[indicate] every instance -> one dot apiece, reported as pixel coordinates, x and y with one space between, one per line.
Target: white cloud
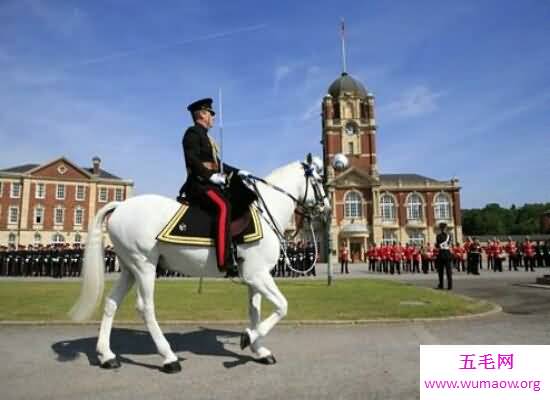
281 72
415 101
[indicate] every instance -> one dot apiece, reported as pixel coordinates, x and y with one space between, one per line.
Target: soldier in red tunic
529 254
511 249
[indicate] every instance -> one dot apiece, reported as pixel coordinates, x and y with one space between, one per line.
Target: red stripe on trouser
222 222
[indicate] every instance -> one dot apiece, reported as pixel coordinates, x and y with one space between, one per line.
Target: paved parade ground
372 361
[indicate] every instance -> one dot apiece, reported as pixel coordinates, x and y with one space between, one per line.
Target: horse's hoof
268 360
113 363
245 340
172 368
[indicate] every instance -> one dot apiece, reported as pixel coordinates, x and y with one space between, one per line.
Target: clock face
351 128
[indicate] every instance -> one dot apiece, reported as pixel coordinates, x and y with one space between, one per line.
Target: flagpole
221 128
343 34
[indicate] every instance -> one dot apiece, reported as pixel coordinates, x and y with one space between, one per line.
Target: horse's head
314 201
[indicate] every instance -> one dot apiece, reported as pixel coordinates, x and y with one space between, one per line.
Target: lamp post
339 163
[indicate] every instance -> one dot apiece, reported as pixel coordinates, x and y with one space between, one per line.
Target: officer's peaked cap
202 104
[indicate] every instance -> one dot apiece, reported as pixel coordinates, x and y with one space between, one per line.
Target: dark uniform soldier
443 245
3 256
206 177
310 259
292 257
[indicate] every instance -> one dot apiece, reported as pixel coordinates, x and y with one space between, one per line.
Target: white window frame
13 194
417 237
77 198
57 236
35 237
37 192
389 239
11 221
78 238
55 221
442 209
353 207
119 194
415 209
36 209
59 186
99 192
75 220
385 209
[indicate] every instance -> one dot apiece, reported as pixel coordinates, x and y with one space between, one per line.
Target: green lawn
223 300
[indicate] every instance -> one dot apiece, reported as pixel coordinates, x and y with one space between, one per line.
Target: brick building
52 202
369 206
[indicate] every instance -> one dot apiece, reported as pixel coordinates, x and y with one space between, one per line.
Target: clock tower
349 125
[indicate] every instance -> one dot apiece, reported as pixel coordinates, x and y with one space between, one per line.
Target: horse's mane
281 172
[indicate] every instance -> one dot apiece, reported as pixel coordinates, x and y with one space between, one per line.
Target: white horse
133 227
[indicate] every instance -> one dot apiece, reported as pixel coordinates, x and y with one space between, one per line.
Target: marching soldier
547 253
3 257
300 262
291 253
529 254
539 254
511 249
310 259
416 259
344 260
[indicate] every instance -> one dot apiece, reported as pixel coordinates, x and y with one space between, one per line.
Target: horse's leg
146 281
266 286
106 357
254 313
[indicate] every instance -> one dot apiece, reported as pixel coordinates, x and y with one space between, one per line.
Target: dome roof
347 84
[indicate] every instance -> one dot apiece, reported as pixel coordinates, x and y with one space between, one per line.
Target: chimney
96 163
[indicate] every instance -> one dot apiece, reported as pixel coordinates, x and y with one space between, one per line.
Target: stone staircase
545 280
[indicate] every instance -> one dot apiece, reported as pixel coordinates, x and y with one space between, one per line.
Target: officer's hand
243 173
218 179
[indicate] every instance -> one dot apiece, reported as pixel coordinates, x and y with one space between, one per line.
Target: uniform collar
201 129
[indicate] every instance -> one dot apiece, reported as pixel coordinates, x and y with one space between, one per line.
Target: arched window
442 207
353 207
387 208
37 238
414 207
58 238
77 238
12 238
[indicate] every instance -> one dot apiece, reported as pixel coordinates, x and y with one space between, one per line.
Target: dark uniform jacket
201 161
443 244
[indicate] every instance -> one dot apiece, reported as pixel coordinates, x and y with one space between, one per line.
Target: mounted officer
207 177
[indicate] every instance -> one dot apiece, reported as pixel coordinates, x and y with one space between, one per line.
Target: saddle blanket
194 226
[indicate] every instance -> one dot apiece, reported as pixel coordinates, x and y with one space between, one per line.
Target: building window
350 148
58 238
40 191
387 208
102 195
414 207
80 192
442 207
37 238
77 238
39 215
15 190
12 238
13 215
1 189
78 216
416 237
389 236
118 194
59 216
352 205
60 193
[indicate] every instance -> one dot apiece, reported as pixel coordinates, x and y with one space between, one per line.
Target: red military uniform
511 249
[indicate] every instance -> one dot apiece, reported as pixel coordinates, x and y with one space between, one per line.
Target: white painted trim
10 222
99 189
57 186
12 185
76 192
36 185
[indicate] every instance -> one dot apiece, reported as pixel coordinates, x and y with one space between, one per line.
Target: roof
20 169
23 169
411 179
346 84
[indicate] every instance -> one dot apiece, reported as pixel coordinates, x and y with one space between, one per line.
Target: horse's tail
93 268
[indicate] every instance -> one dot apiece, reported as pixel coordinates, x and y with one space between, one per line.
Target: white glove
243 173
218 179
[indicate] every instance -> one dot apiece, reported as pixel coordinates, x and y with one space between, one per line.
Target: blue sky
462 88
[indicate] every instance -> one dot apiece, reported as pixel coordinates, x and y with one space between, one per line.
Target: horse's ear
309 158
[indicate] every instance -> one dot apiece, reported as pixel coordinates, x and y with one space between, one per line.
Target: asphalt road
375 361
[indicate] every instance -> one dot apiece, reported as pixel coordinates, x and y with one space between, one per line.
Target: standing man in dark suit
443 261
